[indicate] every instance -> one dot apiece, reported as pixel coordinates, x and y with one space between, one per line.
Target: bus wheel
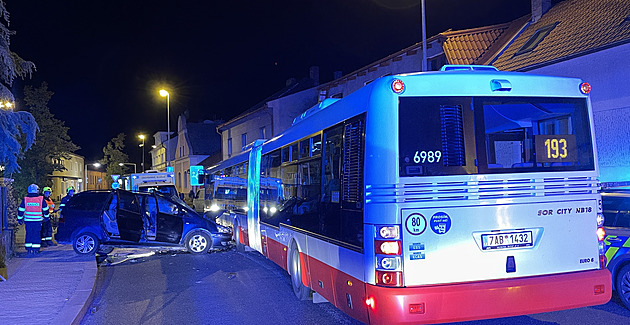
623 285
301 291
237 238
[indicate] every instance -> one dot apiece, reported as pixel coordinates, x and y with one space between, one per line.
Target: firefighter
32 211
64 200
47 232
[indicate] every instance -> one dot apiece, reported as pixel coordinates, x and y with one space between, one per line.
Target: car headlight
214 208
223 229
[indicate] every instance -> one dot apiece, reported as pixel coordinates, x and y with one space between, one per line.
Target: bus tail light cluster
388 251
601 235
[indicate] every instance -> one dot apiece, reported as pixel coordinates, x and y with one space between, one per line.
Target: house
587 39
194 143
73 175
271 115
159 160
96 179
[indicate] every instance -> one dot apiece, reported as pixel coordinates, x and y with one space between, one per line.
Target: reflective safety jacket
63 202
33 208
51 205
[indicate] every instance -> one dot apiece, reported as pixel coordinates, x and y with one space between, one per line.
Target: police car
616 205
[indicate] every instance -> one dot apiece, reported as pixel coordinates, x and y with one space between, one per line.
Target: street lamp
134 166
424 39
165 93
141 136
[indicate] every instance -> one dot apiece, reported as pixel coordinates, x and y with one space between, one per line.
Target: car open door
129 217
170 224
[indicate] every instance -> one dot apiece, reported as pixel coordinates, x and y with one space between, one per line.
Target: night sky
106 60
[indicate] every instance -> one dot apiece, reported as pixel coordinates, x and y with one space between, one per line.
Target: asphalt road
245 288
219 288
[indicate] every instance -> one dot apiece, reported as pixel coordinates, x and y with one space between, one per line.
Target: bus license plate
506 240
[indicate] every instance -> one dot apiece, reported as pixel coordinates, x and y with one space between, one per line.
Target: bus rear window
471 135
533 134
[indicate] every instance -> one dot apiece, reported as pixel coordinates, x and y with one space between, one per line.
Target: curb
75 309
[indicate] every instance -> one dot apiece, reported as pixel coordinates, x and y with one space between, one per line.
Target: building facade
97 180
158 150
270 116
73 175
195 143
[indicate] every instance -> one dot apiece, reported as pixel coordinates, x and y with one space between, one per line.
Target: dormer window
535 39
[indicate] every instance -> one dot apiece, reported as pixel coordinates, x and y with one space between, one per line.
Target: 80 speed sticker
416 224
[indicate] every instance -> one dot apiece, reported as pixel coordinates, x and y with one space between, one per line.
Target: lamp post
134 166
165 93
424 39
141 136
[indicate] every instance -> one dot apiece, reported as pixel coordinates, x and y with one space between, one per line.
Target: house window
263 133
436 63
179 179
533 41
243 140
229 147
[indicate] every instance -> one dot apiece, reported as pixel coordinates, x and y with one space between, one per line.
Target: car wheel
623 285
85 244
301 291
237 238
198 242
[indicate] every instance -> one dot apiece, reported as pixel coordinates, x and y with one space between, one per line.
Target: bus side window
330 214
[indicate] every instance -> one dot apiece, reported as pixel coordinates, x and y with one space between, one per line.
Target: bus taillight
390 247
392 279
388 259
585 88
601 234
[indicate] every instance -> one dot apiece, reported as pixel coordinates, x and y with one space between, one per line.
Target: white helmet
33 189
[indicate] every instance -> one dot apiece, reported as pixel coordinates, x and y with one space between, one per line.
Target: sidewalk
53 287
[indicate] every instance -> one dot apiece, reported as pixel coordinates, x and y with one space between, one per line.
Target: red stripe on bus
277 253
344 291
338 288
489 299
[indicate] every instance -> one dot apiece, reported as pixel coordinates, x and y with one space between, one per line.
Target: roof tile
583 26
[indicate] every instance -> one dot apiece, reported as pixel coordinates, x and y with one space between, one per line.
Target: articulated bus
454 195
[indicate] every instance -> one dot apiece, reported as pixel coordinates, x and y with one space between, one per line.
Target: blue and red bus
462 194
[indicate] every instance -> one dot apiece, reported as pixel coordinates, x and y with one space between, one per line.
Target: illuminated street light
141 136
134 166
6 105
166 94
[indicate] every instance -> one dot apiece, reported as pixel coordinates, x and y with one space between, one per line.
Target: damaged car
123 218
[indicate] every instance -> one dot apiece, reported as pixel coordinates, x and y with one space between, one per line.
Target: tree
13 125
53 142
113 155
